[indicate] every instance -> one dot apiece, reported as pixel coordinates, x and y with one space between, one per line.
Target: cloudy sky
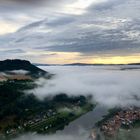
69 31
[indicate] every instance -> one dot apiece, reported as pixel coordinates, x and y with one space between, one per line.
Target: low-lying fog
109 86
53 137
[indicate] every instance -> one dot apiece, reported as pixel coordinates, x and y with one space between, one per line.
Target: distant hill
38 64
134 64
72 64
84 64
11 65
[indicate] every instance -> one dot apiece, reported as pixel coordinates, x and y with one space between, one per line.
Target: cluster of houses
13 76
32 121
40 118
124 118
12 131
2 78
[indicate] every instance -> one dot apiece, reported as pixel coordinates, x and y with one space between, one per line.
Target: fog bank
109 86
51 137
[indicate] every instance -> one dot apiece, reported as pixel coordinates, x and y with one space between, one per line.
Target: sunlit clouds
117 59
68 31
6 27
79 7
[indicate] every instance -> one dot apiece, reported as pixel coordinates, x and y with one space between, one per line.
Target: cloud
106 5
12 51
6 28
20 72
104 29
36 2
108 85
61 21
93 36
106 33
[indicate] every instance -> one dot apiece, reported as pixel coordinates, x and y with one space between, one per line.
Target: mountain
38 64
82 64
134 64
11 65
72 64
86 64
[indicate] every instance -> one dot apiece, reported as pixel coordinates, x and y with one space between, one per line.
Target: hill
11 65
86 64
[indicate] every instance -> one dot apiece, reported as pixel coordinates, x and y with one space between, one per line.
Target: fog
109 86
20 71
52 137
81 134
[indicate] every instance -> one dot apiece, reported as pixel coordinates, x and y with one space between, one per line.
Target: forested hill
10 65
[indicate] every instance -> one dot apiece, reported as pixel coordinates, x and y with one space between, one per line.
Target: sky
70 31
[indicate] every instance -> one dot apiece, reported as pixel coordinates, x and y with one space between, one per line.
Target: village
124 118
42 122
32 121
